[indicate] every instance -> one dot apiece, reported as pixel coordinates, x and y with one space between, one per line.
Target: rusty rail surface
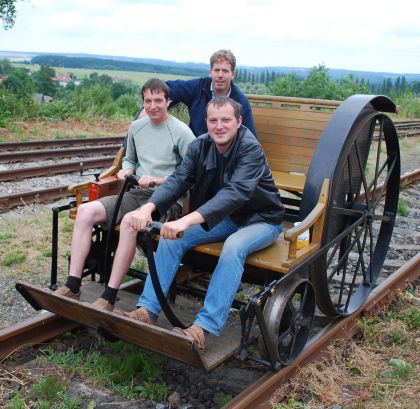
259 393
37 196
20 156
13 146
55 169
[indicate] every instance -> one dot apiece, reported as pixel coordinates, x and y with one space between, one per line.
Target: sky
365 35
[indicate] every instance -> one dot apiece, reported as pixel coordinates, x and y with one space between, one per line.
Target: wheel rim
360 216
289 315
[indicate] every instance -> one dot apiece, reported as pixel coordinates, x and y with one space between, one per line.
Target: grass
124 368
135 76
376 370
402 207
12 258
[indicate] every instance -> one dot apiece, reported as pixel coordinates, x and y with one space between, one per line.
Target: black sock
110 294
74 284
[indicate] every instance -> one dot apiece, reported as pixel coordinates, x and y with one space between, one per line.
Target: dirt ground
40 130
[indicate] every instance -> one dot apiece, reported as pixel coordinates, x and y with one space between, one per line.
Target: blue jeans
226 278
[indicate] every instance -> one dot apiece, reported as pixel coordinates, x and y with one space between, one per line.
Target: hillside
93 61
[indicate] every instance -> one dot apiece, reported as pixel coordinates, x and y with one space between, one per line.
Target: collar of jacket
207 90
210 160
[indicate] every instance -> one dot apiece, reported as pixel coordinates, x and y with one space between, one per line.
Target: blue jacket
196 94
248 193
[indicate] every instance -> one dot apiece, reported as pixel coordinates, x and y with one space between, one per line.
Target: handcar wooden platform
158 338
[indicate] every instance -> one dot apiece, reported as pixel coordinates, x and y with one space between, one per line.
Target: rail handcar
337 165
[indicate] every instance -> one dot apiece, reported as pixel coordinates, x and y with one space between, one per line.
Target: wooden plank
296 160
279 134
289 150
275 100
157 338
289 181
293 114
280 121
287 166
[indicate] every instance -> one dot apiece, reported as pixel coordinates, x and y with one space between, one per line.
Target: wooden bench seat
283 255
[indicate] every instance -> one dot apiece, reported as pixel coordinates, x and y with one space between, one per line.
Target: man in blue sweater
198 92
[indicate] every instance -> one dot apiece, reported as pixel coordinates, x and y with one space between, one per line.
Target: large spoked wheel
289 315
360 216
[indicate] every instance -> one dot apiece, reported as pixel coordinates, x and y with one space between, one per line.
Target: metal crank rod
150 231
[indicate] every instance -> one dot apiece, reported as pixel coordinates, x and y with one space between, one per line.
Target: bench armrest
79 189
314 219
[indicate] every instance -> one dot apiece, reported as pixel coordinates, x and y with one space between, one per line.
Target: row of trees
99 96
261 80
318 84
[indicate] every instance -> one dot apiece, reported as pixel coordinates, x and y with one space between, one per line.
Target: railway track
36 155
59 143
54 169
257 395
48 326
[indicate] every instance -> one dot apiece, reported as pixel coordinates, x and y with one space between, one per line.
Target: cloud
357 35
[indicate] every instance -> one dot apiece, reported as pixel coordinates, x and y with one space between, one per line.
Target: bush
58 110
129 105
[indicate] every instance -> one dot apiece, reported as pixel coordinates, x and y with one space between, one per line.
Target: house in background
64 79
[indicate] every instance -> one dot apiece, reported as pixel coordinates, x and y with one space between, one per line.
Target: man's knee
91 213
126 226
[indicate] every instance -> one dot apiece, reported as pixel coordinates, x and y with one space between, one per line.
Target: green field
135 76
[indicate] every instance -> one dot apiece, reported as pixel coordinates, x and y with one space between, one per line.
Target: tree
318 84
7 13
20 83
44 83
286 85
5 67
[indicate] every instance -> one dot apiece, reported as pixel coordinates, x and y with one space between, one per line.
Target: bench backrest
289 129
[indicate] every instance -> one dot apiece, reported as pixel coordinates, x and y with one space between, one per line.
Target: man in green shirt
156 146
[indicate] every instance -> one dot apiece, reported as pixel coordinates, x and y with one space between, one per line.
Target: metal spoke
362 173
343 258
303 298
291 306
292 347
360 248
359 262
385 183
340 211
379 173
285 334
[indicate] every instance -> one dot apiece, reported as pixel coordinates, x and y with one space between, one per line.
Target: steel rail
58 153
55 169
37 196
259 393
4 146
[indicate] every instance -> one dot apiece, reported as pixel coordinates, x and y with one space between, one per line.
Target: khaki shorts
132 200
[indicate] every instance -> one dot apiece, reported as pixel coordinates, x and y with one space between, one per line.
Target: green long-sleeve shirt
156 150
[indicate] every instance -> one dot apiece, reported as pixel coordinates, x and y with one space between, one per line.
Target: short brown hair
155 85
219 102
223 55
